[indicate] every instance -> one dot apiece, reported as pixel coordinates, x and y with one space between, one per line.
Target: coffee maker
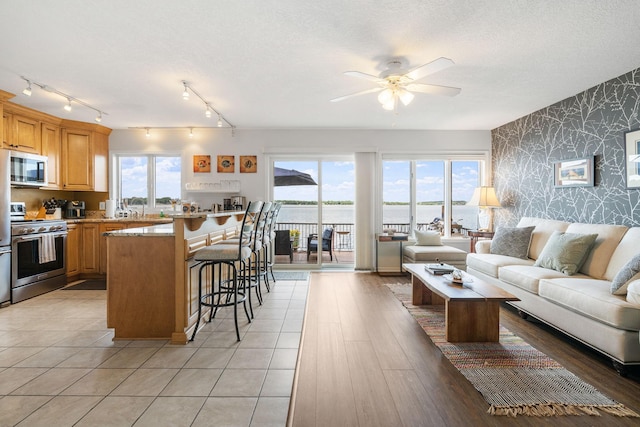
238 202
74 209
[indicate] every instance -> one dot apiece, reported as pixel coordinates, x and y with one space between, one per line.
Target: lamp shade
484 197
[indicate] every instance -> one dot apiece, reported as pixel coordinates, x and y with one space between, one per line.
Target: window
148 180
420 193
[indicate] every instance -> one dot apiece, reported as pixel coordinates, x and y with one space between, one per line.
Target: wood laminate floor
365 361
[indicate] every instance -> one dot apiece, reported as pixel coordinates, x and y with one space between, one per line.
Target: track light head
207 113
148 134
67 107
185 94
27 90
219 121
190 132
99 117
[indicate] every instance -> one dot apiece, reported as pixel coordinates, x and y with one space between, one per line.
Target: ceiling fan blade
429 68
362 92
433 89
365 76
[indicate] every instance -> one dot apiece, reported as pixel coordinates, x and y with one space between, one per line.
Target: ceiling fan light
390 105
385 96
405 96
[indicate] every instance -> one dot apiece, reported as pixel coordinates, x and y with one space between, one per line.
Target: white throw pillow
427 238
633 292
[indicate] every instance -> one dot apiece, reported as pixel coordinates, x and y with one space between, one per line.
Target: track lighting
209 110
148 134
27 90
190 132
69 98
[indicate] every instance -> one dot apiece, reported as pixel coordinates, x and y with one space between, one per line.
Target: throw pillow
427 238
565 252
512 241
633 292
626 275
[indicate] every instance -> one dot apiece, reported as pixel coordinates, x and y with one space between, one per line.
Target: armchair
327 243
283 244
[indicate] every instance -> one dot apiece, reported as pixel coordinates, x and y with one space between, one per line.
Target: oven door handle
37 236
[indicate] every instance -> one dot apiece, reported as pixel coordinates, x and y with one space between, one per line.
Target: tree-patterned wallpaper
591 123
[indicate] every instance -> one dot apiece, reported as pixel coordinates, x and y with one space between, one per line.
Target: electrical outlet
103 206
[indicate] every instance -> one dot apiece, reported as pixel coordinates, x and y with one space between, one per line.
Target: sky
134 176
338 181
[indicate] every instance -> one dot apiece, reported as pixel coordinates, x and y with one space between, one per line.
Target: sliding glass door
315 226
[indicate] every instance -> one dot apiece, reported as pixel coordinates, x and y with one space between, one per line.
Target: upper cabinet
21 133
51 147
85 151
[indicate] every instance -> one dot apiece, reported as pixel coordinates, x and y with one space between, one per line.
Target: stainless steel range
38 263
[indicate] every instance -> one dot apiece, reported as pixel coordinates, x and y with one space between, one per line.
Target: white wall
262 143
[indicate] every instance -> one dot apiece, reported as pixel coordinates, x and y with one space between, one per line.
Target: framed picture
632 158
201 163
248 164
574 173
226 164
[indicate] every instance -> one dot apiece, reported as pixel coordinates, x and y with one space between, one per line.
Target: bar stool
269 236
230 291
254 261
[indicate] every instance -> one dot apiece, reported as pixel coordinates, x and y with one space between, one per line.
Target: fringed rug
513 377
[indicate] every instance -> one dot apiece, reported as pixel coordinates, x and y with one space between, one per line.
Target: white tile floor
59 366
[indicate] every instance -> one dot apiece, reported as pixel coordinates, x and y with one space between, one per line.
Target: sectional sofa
583 304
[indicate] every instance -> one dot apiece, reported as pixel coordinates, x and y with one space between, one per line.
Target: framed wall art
248 164
632 158
201 163
574 173
226 164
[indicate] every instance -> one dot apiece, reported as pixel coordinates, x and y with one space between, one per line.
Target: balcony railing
344 233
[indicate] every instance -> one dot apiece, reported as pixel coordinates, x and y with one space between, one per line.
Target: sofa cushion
527 277
490 263
633 293
628 273
544 229
592 298
512 241
427 238
565 252
446 254
609 236
626 249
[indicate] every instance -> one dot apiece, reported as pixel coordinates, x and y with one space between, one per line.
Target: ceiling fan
397 84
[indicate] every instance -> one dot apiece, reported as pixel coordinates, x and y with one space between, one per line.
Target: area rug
512 376
291 275
88 285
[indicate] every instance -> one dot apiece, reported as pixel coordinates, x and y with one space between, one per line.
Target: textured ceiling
277 63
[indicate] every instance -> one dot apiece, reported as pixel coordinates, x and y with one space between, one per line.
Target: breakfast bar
152 286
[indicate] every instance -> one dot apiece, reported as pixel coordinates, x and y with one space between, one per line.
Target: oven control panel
37 227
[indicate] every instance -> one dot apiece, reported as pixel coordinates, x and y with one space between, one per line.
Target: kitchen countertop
152 230
154 220
167 229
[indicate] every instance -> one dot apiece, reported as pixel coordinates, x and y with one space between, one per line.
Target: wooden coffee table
472 311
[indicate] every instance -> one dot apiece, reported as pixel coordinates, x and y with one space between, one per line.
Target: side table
476 235
389 253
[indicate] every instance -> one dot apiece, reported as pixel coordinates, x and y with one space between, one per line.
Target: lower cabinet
105 228
73 250
90 255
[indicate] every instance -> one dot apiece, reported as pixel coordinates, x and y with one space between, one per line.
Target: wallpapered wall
591 123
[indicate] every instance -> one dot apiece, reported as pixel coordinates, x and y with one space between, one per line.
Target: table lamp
486 200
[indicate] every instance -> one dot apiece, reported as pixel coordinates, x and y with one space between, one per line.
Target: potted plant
295 238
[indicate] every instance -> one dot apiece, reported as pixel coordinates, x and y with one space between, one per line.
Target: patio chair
327 242
283 244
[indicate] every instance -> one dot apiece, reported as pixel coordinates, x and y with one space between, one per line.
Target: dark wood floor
365 362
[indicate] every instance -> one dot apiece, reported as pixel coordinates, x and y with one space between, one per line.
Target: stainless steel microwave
28 170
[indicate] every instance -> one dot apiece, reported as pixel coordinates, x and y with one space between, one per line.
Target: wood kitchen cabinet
51 147
73 250
85 151
90 253
21 133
